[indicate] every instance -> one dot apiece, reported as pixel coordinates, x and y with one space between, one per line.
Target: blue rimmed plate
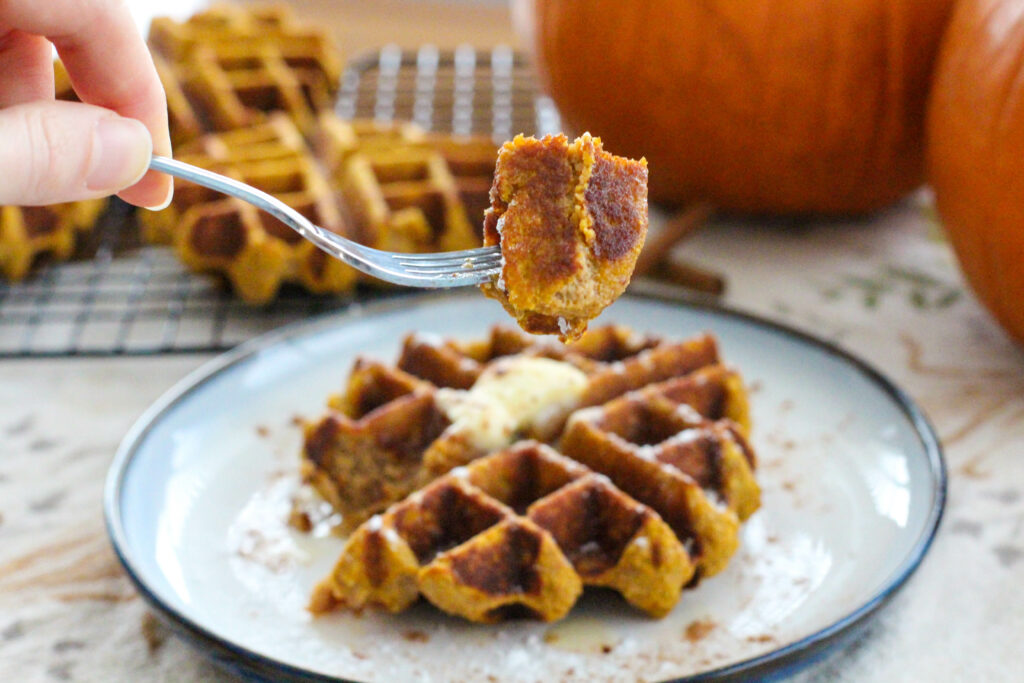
198 496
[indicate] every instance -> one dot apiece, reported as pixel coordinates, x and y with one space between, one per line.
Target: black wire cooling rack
120 297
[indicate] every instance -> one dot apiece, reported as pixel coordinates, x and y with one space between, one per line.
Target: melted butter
513 395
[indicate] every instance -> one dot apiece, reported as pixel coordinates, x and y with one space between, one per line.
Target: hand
54 151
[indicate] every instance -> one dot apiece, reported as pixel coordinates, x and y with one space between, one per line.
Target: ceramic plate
197 497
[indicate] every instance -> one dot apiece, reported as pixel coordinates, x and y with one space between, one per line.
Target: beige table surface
885 288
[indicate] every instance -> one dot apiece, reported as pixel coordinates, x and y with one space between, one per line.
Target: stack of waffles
262 86
30 234
630 470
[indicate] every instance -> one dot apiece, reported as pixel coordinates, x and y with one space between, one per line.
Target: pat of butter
513 395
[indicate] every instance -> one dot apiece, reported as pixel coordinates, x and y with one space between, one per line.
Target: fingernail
121 149
167 200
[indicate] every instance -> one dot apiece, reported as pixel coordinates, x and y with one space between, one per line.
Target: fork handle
229 186
258 198
381 264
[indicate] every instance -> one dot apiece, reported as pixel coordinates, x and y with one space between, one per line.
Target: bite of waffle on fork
638 483
570 220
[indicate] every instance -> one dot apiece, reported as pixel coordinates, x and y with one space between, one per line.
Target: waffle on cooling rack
654 476
263 85
387 169
255 252
235 65
471 162
250 95
29 234
469 159
382 185
182 117
405 200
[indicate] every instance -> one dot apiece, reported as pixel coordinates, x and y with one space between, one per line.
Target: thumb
54 151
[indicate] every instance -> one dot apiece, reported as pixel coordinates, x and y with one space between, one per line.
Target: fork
441 269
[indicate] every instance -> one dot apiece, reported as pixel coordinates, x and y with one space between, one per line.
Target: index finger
109 66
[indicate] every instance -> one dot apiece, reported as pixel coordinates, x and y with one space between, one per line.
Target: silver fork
441 269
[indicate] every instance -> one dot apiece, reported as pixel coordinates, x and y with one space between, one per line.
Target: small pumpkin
975 138
764 106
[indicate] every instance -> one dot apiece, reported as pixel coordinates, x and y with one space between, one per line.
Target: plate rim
792 656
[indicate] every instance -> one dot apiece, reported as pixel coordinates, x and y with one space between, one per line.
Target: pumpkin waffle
230 153
238 65
390 432
338 139
670 443
407 191
182 118
570 219
254 251
29 234
471 161
405 200
175 40
395 428
388 189
615 358
517 533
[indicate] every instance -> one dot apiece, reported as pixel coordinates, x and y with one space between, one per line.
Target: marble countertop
886 289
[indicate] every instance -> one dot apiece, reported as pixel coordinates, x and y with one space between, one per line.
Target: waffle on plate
497 477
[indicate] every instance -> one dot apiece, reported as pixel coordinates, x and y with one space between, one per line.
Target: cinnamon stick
676 229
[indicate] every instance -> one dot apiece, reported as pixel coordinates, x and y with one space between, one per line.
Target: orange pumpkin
976 151
764 106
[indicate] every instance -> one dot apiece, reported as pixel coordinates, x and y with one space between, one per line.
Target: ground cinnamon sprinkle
698 630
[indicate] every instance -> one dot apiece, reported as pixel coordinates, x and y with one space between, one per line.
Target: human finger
57 151
26 67
109 66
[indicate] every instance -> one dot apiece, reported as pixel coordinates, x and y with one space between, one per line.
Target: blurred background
360 26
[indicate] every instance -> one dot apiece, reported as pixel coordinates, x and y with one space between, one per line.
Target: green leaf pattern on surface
919 289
